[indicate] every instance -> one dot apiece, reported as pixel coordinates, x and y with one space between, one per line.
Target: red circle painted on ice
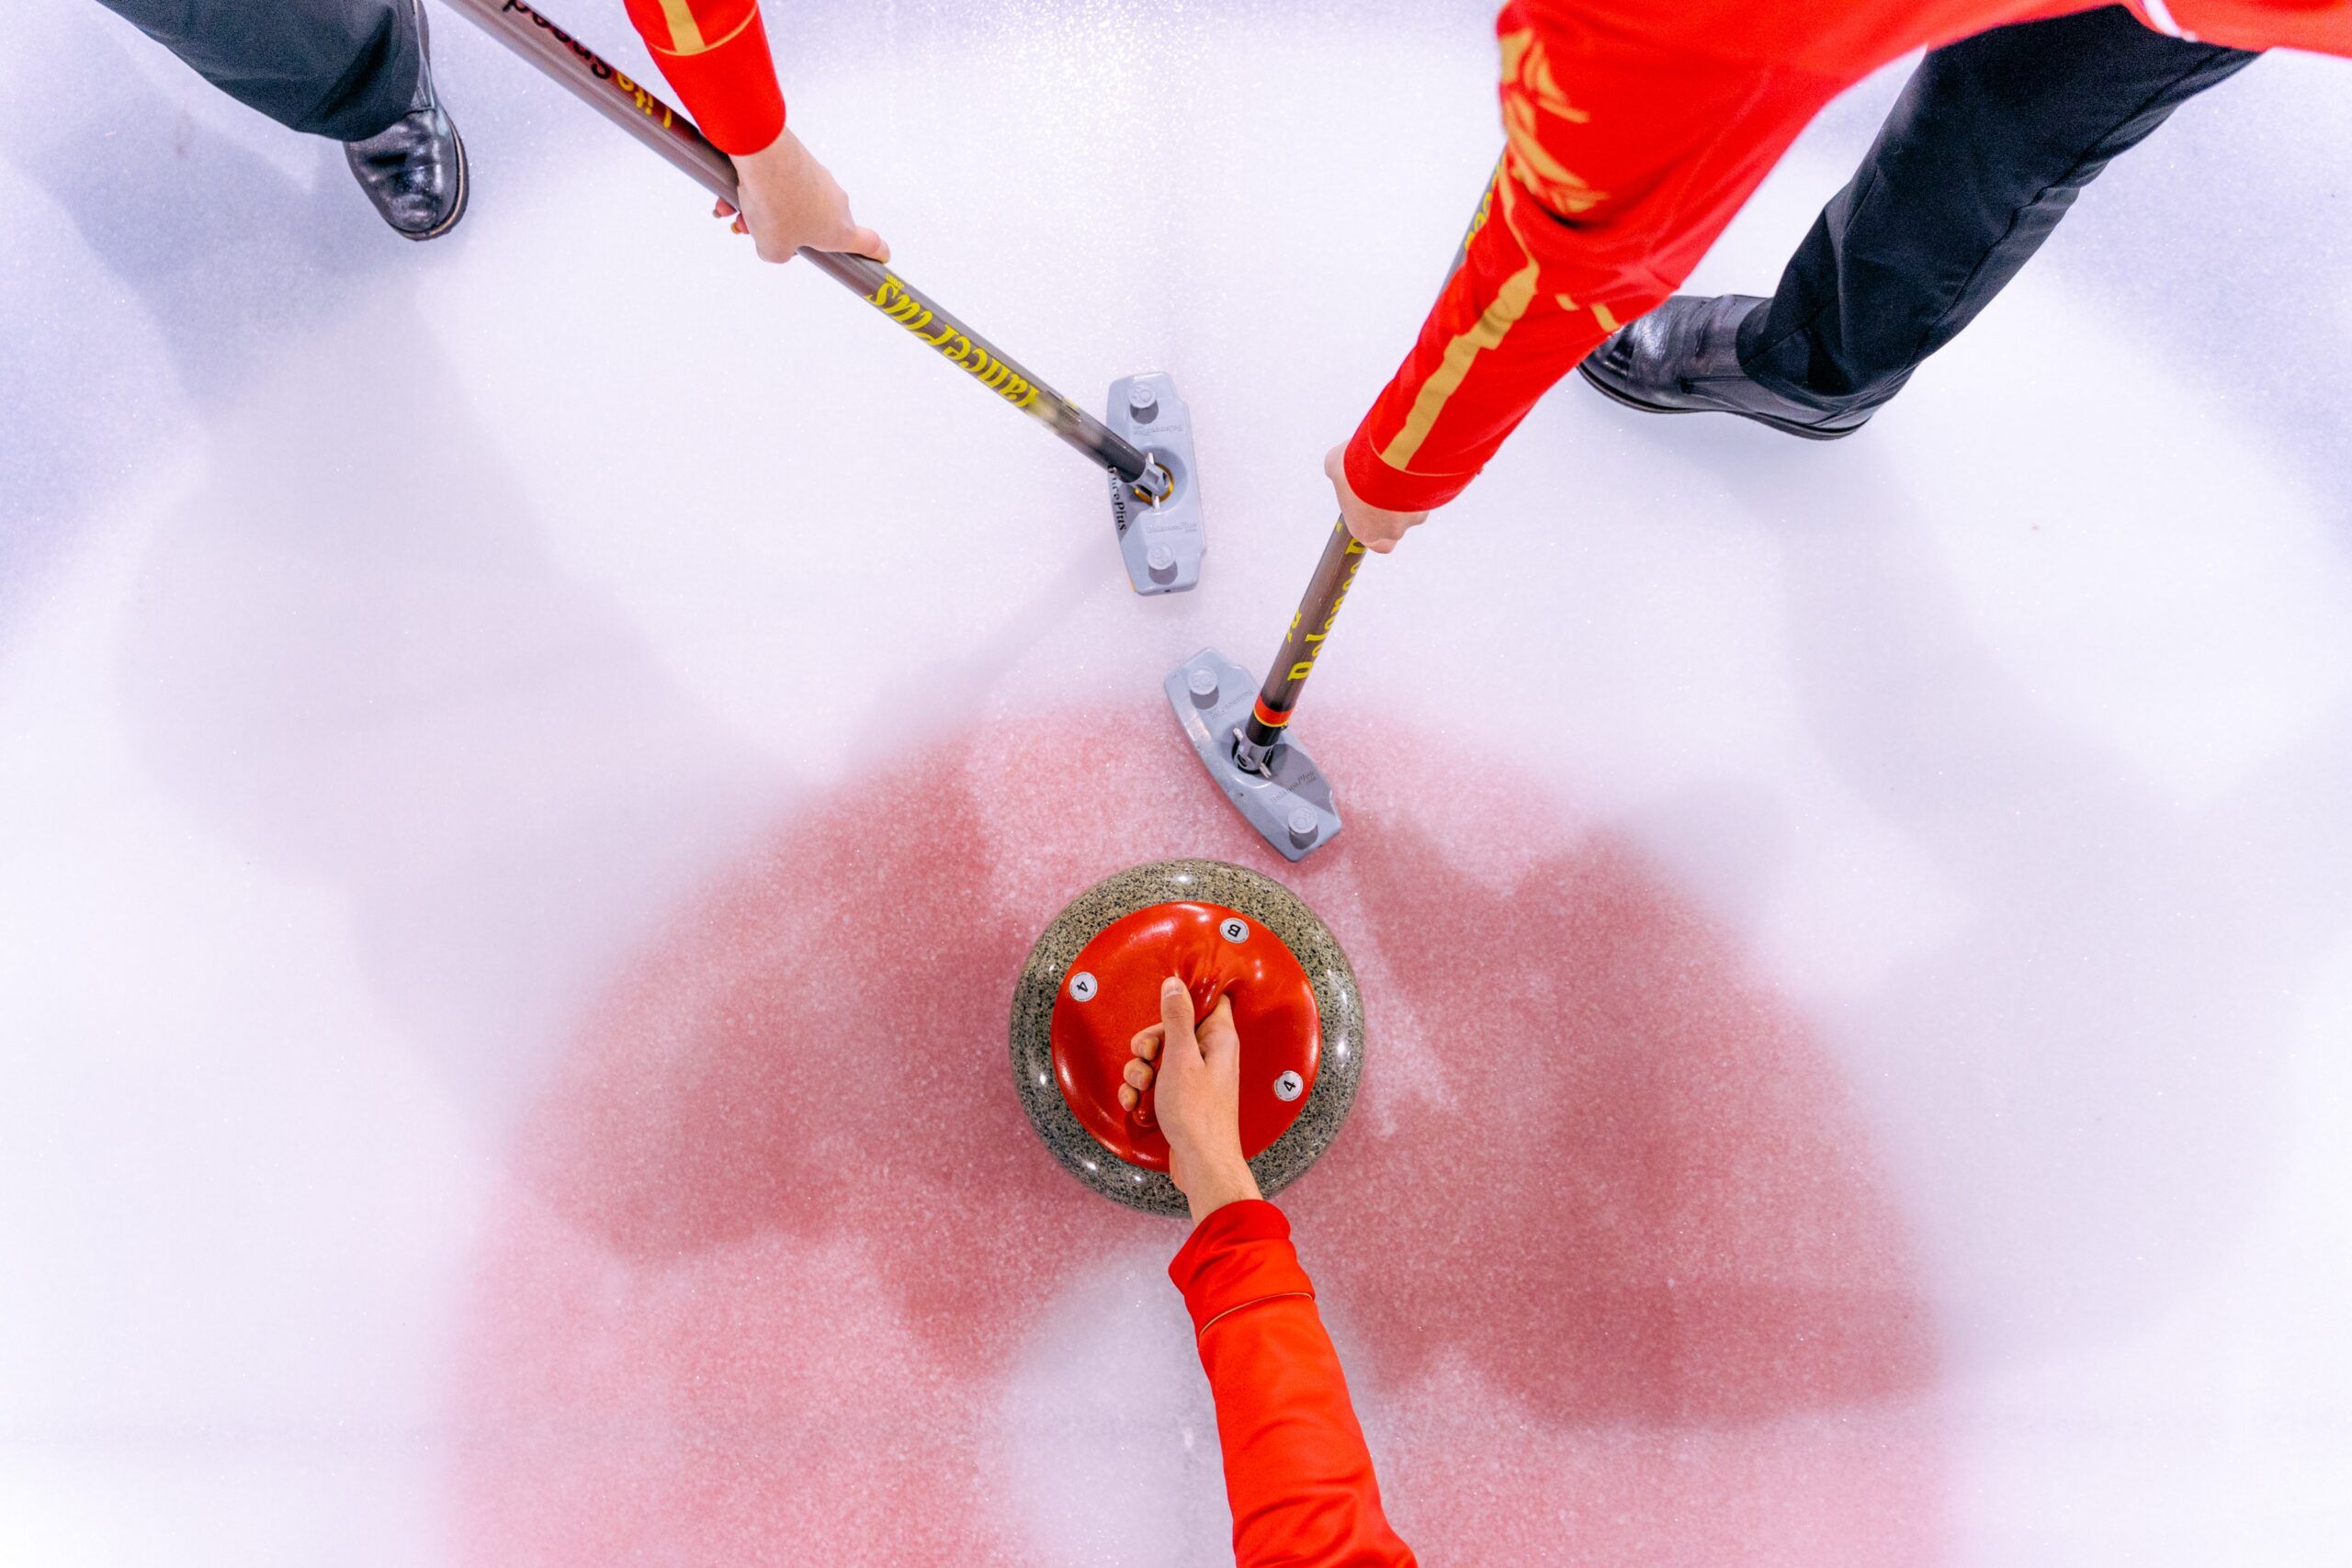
1619 1273
1217 952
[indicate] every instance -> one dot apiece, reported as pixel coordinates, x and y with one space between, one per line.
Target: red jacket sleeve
1632 135
1296 1471
2324 27
1633 131
715 52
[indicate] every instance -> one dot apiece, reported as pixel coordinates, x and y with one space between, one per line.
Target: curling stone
1093 979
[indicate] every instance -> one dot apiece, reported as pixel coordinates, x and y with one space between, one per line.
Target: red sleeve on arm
1630 142
715 52
1296 1471
2324 27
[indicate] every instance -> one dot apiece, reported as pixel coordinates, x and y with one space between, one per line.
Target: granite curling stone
1092 980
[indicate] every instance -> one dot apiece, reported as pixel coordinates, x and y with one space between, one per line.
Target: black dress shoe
414 169
1683 357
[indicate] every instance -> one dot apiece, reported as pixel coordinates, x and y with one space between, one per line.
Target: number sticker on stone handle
1289 1087
1082 986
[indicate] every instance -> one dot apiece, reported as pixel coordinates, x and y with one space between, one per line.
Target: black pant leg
1983 153
345 69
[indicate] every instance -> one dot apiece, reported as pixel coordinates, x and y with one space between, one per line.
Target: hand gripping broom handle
603 87
1310 624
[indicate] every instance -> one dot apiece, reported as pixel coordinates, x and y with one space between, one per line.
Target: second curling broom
1144 441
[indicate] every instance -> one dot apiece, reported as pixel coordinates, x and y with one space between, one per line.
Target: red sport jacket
1634 129
1297 1471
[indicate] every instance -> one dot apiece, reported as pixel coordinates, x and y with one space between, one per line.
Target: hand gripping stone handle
603 87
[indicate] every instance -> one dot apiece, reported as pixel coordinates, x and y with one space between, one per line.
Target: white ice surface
2010 740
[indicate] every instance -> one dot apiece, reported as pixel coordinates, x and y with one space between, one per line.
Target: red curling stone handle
1112 993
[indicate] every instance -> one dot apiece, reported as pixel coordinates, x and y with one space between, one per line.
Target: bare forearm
1216 1183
